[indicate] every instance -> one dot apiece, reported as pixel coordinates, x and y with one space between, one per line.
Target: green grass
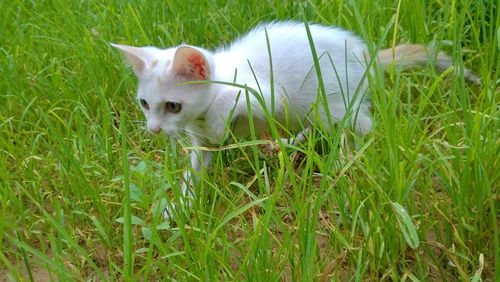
83 184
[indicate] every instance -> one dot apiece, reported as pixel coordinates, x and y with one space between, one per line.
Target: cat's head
169 91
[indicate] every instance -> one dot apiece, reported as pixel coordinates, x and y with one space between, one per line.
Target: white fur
206 107
209 109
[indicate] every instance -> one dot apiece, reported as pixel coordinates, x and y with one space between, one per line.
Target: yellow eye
144 104
173 107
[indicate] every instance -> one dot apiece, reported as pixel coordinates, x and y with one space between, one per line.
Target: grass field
83 184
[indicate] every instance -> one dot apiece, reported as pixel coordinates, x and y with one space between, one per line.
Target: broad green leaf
406 225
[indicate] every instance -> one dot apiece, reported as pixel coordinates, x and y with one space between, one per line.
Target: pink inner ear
190 64
197 66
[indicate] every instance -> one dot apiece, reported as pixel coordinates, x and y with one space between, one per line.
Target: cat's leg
362 126
363 123
359 118
216 120
298 139
199 159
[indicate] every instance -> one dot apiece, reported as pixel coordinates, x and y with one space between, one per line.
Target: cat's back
291 38
289 47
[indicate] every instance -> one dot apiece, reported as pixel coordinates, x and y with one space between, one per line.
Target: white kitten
204 110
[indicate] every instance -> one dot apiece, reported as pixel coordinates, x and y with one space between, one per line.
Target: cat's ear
190 63
138 57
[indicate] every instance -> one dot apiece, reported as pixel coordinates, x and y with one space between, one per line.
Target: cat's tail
414 55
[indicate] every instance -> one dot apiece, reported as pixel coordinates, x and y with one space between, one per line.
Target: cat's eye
144 104
173 107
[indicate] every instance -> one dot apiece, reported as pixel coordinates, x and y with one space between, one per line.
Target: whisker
181 139
194 133
137 121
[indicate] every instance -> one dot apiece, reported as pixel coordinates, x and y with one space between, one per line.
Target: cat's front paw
168 212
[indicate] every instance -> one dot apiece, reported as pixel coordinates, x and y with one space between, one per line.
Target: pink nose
154 130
